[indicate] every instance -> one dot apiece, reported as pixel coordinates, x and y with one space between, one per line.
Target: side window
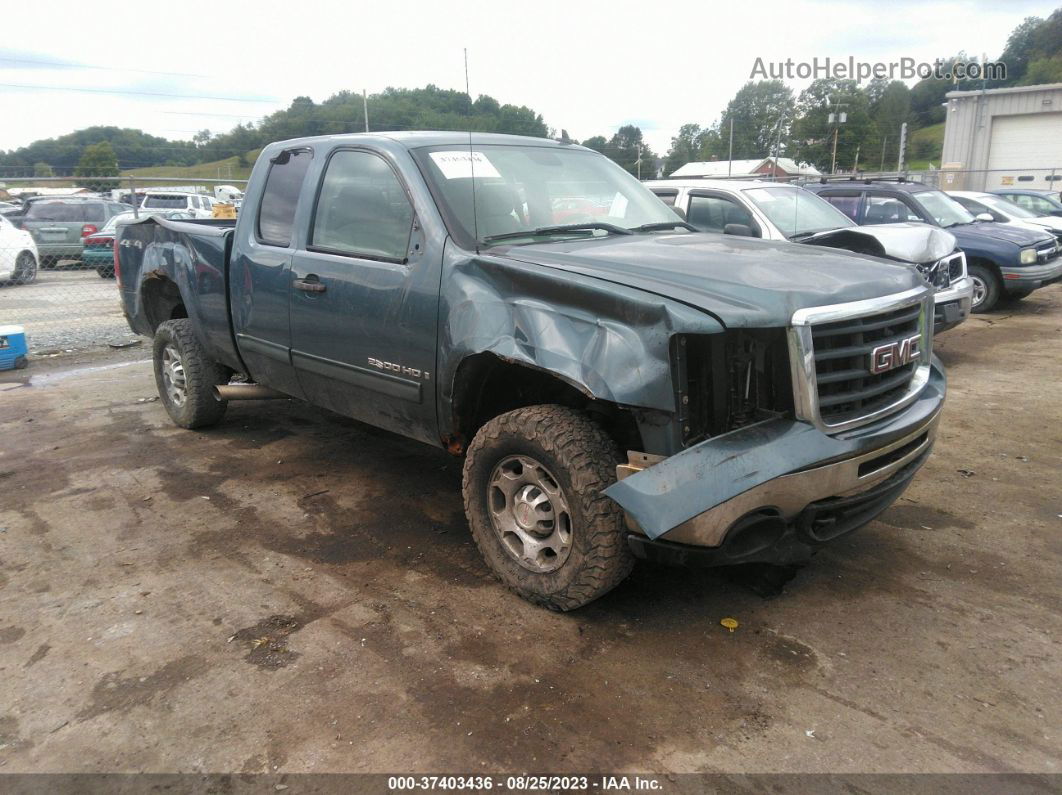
668 197
362 208
713 213
194 201
1035 204
888 210
276 214
847 203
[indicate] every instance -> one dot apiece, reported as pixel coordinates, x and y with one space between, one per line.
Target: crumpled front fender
709 474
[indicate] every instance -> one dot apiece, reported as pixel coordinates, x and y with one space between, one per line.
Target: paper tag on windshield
618 208
462 165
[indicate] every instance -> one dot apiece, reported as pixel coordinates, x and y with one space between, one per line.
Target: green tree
42 169
762 112
815 132
598 143
889 112
685 147
1020 45
97 160
626 148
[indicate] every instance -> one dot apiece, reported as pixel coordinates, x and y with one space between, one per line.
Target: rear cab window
162 201
280 197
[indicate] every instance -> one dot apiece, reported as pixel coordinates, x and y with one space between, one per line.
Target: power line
90 66
139 93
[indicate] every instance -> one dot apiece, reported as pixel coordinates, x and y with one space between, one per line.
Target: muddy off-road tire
186 376
533 482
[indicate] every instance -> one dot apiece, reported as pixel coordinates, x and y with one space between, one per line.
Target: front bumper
773 491
1032 276
951 306
60 250
97 257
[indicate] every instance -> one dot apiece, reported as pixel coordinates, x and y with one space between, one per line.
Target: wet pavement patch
267 642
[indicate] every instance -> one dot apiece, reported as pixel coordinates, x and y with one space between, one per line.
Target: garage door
1024 149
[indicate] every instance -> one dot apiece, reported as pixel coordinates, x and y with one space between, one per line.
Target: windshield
525 188
1005 207
797 212
944 209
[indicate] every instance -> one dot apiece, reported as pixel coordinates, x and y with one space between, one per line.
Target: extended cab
619 384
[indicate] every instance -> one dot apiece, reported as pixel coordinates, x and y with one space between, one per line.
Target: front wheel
25 268
986 289
533 483
186 376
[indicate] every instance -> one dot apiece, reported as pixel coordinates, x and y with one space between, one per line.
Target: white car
198 204
989 207
777 211
18 254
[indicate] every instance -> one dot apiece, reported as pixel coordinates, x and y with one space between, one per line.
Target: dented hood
907 242
743 282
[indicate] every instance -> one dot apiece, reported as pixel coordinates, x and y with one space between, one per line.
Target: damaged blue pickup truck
620 385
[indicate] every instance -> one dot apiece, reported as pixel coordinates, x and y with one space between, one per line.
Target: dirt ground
292 591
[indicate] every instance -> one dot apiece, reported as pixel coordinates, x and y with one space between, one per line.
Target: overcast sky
586 67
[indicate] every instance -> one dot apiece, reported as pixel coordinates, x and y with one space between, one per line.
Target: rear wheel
25 268
986 288
533 483
186 376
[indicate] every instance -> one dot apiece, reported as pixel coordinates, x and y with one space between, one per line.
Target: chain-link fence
57 248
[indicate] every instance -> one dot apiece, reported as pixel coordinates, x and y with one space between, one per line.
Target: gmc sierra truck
620 385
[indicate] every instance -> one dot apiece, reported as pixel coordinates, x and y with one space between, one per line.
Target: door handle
309 285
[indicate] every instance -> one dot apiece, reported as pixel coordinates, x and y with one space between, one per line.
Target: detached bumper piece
768 538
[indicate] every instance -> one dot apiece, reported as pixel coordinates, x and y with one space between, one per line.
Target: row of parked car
44 230
975 248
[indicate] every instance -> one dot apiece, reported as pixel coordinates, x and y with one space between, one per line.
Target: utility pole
855 167
778 146
365 106
836 118
903 147
730 161
884 141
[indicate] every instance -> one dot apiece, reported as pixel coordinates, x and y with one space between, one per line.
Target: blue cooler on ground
13 348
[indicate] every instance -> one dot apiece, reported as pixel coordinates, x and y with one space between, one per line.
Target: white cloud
586 67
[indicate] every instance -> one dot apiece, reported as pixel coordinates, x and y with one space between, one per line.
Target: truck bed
194 256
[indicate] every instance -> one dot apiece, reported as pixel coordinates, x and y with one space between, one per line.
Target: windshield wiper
589 226
664 225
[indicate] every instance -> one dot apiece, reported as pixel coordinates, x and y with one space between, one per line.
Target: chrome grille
832 349
1046 252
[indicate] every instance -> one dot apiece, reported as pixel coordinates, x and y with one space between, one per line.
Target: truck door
260 277
364 299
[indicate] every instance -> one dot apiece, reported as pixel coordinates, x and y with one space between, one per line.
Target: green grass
229 168
925 146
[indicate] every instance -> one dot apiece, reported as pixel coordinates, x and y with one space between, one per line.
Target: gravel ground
66 310
292 591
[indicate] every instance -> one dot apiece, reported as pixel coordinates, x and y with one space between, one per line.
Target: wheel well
985 263
161 301
487 385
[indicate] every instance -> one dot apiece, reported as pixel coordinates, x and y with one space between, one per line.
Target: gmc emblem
896 354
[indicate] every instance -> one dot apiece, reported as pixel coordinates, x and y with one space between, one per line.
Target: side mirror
679 212
742 230
984 217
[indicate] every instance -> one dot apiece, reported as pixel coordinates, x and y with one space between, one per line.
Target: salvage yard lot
293 591
66 309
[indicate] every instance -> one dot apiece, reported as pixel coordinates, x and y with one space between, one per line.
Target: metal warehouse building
1003 137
